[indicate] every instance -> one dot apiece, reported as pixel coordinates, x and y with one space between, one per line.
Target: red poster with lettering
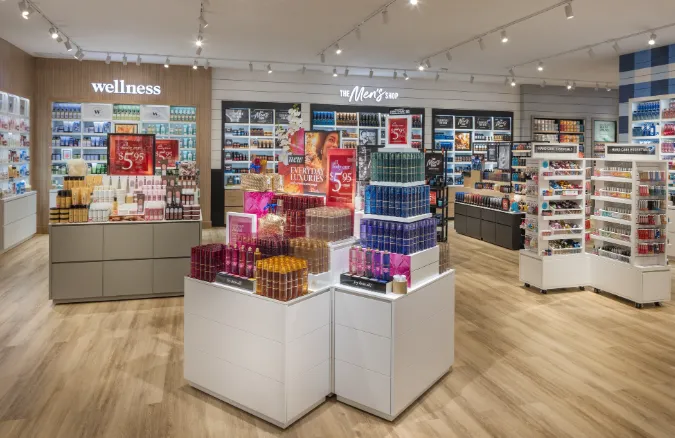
398 131
341 178
131 154
166 150
432 198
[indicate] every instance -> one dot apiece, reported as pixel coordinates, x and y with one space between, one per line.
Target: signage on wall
236 115
491 153
552 149
166 150
433 163
604 131
97 111
443 122
484 123
463 122
282 117
646 149
502 123
155 113
398 130
131 154
262 116
341 178
362 94
119 87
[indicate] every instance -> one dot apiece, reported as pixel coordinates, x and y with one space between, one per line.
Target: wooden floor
568 364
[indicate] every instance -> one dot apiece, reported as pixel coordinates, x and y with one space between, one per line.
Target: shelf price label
166 150
131 154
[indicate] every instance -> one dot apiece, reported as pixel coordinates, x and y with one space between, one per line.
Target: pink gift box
255 202
400 265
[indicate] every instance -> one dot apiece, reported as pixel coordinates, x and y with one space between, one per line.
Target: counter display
18 219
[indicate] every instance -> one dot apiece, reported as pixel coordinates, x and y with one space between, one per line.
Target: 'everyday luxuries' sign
119 87
361 94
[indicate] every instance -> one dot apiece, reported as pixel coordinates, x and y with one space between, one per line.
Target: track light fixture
471 79
652 39
438 76
427 63
608 87
304 69
79 55
250 66
59 38
199 51
323 58
513 82
26 9
481 44
616 47
413 2
405 75
569 86
357 32
506 80
346 72
207 65
420 67
167 62
202 21
124 59
200 41
448 56
395 74
107 59
370 74
574 85
69 47
505 38
138 60
511 72
591 53
338 50
569 14
54 33
335 72
269 69
385 17
540 66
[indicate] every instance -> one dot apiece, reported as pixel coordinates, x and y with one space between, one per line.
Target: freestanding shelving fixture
630 225
554 256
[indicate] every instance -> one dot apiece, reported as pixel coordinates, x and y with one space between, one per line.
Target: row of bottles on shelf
330 118
57 156
92 169
183 114
164 129
551 125
647 111
14 156
96 142
127 112
669 112
66 111
13 123
14 141
481 136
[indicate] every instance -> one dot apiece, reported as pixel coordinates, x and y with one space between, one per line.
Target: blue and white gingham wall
643 74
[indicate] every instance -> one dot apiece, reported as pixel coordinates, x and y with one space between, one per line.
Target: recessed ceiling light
505 38
652 39
540 66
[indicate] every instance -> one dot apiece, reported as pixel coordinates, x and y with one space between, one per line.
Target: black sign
282 117
227 168
368 136
463 122
365 283
491 153
503 123
262 116
632 150
433 164
443 122
484 123
236 115
364 155
238 282
399 112
551 149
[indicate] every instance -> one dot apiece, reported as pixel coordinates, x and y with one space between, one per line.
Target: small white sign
363 94
154 113
97 111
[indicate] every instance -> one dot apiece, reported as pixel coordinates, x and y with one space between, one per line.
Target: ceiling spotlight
346 72
199 51
652 39
335 72
304 69
574 85
607 87
138 60
513 82
506 80
107 59
568 11
357 31
471 79
26 9
200 41
385 17
124 59
511 72
543 84
194 65
427 63
448 56
616 47
395 74
540 66
202 21
569 86
69 47
413 2
420 67
59 39
370 75
597 86
207 65
338 50
591 53
250 66
405 76
323 57
79 54
481 44
53 33
438 76
167 62
269 69
505 38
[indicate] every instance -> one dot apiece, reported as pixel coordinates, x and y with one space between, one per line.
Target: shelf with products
15 160
651 120
559 130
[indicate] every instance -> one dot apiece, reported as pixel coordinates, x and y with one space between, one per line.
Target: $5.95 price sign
131 154
166 150
342 177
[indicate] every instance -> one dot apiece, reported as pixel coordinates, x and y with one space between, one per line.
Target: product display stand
554 256
269 358
629 230
18 216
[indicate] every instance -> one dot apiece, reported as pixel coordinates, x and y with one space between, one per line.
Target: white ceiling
295 31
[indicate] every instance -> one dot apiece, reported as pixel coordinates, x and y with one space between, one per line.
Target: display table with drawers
501 228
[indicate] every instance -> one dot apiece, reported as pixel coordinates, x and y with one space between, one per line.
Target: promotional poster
239 223
341 178
131 154
166 150
307 172
398 130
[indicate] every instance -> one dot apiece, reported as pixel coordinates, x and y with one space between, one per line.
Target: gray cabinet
493 226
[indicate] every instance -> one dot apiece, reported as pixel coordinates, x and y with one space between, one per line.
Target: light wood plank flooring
568 364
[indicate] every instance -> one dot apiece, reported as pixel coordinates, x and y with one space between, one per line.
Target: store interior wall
643 74
17 71
558 102
61 80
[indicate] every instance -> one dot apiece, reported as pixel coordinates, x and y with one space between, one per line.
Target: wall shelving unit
15 141
559 130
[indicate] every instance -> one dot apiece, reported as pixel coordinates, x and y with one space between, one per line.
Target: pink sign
239 223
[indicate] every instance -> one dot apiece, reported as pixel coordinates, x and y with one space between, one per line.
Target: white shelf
562 217
612 219
611 199
646 121
612 179
19 163
563 178
611 240
564 237
397 184
563 198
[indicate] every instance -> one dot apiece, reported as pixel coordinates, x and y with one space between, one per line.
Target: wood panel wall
62 80
17 71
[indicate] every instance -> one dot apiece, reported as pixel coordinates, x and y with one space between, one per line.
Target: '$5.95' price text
129 158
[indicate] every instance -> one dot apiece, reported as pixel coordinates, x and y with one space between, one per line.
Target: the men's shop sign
362 94
463 122
631 150
433 163
550 149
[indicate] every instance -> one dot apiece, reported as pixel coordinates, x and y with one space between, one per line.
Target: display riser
339 258
18 220
390 349
267 357
319 281
554 272
639 285
423 266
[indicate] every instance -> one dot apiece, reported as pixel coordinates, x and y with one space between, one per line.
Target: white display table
267 357
18 219
389 348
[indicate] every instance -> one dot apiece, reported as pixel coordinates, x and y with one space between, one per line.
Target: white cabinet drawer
362 313
363 349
